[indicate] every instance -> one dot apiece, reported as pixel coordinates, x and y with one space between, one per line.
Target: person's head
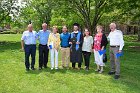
86 32
64 29
99 29
44 26
75 26
112 26
55 29
30 27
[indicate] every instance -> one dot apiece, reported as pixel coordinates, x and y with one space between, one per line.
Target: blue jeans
30 50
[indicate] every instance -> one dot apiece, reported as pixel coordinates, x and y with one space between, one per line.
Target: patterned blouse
97 42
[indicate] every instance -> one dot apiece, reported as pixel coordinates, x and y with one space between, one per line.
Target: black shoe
27 69
111 73
45 66
40 68
33 68
116 76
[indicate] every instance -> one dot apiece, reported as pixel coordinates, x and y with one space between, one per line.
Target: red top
97 42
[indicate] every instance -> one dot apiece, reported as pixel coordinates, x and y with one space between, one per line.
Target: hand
70 42
22 49
120 51
77 42
92 50
102 49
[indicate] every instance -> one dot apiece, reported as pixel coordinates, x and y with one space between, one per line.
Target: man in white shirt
116 45
28 44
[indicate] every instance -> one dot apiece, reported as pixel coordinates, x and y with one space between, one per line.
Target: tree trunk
139 31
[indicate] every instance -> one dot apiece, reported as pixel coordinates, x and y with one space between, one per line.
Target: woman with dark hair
100 43
76 42
87 48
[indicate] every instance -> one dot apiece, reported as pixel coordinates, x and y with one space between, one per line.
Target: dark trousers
30 50
79 65
43 55
86 58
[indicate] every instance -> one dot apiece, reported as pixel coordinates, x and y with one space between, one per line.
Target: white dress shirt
29 37
116 39
87 44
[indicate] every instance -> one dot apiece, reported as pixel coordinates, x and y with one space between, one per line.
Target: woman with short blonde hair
54 44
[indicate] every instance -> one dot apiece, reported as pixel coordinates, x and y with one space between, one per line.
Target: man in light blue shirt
43 36
28 44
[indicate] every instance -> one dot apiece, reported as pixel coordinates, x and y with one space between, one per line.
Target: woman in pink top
100 42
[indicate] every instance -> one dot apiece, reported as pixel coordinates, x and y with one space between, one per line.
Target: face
30 28
75 28
54 30
64 29
112 27
44 26
86 32
99 30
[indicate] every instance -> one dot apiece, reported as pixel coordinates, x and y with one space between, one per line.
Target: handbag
104 58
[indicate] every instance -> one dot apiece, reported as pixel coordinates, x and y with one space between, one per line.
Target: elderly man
28 44
116 45
43 47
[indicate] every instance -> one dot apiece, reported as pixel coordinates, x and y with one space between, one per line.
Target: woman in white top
87 48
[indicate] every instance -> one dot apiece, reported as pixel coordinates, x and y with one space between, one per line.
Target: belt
64 47
30 44
114 46
42 45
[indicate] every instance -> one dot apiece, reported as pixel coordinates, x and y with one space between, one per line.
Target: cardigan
55 39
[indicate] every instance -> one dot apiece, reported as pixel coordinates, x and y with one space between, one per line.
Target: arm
81 39
22 41
22 44
121 42
104 42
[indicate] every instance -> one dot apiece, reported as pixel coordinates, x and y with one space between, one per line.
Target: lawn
14 78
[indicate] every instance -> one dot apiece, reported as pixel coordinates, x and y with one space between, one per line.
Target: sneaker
56 68
97 70
52 68
101 71
87 68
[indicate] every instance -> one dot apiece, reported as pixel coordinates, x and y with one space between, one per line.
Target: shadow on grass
9 45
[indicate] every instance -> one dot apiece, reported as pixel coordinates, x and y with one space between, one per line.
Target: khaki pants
65 56
115 62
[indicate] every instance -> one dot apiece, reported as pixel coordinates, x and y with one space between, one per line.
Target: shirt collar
76 31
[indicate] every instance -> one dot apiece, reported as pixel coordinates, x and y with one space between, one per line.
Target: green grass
14 78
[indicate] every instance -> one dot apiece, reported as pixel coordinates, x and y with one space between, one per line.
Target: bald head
30 27
44 26
112 26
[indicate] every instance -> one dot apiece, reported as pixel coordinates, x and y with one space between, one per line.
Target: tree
90 11
8 9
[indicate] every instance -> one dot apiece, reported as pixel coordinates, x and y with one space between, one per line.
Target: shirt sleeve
91 40
121 41
23 36
36 35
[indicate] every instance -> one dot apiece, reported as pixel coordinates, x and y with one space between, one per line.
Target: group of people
74 47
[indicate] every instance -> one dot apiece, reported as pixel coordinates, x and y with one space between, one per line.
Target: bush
8 32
